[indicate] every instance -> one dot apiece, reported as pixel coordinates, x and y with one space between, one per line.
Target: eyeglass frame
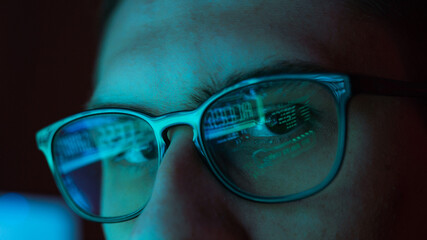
341 86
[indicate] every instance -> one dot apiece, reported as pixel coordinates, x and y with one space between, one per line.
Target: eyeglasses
272 139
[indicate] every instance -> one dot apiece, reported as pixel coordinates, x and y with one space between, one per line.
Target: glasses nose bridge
189 118
167 121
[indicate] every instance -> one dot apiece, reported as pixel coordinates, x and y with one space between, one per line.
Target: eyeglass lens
268 139
107 162
274 138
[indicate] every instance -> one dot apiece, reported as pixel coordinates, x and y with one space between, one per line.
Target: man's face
158 54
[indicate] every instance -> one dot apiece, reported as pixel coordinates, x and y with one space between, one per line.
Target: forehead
157 51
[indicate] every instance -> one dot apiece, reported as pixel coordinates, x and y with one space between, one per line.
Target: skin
155 53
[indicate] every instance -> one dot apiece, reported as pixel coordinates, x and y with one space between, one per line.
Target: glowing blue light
14 209
36 217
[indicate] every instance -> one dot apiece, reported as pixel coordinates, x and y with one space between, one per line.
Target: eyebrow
201 93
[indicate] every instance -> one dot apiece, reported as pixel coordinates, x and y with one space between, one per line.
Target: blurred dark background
47 53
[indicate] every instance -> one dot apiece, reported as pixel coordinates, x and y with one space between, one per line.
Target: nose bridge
186 198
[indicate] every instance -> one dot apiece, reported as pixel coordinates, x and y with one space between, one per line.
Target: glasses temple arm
387 87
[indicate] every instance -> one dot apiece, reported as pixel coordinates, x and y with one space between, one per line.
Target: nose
187 201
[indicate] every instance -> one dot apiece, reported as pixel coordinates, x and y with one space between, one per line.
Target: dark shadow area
47 52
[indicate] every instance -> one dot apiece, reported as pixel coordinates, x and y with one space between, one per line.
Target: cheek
119 230
369 186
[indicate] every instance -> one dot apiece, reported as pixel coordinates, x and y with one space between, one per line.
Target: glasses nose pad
198 144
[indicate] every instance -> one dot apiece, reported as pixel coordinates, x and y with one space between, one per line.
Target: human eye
256 122
281 119
137 155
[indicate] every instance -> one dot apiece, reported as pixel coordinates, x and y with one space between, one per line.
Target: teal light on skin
159 57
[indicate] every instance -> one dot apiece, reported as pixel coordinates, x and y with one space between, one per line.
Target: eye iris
287 118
